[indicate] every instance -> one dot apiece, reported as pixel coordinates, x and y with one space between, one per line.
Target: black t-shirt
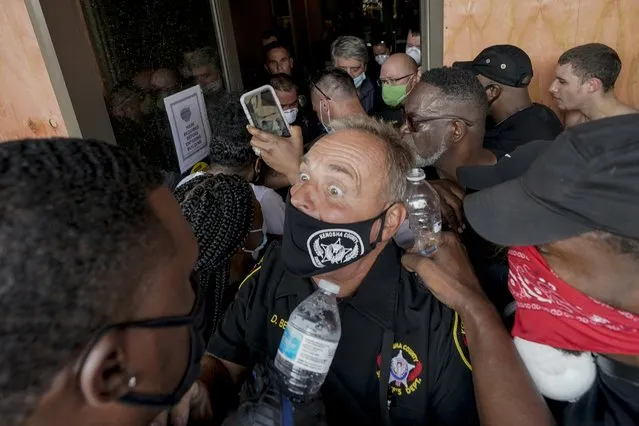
612 401
491 265
429 352
533 123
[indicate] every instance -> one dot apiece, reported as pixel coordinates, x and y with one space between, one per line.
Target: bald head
340 180
164 78
398 66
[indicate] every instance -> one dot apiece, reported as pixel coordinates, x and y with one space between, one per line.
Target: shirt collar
376 296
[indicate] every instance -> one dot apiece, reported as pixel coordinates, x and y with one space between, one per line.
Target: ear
413 80
292 62
103 376
257 169
459 130
493 91
266 68
420 72
395 216
324 104
593 85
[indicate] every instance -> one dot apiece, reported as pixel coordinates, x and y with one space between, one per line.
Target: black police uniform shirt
612 401
532 123
430 381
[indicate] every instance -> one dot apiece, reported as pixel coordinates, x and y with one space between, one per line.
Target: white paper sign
190 126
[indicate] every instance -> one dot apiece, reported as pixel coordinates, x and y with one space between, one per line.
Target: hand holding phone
263 111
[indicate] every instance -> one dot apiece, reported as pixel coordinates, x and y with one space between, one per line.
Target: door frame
432 30
65 44
63 38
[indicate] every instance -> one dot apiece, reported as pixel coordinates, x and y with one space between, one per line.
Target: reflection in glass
265 114
148 50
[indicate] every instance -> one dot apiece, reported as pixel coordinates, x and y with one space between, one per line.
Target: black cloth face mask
195 321
311 247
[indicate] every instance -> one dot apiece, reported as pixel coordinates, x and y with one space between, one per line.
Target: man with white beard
445 121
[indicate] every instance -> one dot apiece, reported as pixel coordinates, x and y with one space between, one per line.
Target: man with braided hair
231 153
100 324
227 222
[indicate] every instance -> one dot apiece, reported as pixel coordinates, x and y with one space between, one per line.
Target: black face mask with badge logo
311 247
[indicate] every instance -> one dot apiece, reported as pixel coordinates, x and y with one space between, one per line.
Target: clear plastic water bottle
309 342
424 213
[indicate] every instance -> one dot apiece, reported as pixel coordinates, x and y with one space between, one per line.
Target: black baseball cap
510 166
503 63
587 179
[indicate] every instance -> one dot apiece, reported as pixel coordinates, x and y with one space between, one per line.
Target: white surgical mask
359 80
380 59
212 87
290 115
415 53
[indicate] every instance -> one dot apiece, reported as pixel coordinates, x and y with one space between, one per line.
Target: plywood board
545 29
28 106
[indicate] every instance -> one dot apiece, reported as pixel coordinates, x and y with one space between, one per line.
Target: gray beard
425 161
435 156
421 161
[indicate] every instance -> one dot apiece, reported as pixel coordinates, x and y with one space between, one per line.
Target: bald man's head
164 79
399 76
398 65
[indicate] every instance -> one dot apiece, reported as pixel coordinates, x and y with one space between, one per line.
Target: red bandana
551 312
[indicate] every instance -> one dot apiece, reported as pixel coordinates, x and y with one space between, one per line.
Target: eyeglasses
392 81
195 318
320 90
417 125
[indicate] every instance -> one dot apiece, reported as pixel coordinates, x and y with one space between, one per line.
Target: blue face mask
359 80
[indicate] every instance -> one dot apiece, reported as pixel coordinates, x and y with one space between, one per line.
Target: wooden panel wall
545 29
28 106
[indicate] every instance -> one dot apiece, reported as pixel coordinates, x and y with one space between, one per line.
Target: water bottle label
418 204
306 352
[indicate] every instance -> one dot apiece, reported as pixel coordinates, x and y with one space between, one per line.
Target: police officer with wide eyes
401 359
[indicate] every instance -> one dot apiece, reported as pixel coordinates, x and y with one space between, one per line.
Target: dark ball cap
503 63
585 180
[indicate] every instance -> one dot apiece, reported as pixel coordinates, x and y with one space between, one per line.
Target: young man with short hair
584 84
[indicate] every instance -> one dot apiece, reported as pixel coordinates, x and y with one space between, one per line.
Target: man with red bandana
570 222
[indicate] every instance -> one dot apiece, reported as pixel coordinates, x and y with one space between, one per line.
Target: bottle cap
415 175
329 287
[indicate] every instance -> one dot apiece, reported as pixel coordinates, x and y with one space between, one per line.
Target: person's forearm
219 385
276 180
293 174
505 393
